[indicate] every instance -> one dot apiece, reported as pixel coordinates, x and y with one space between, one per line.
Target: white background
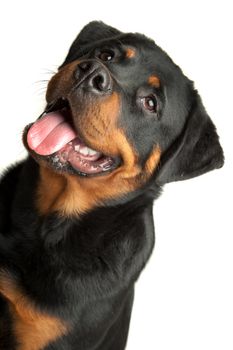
184 299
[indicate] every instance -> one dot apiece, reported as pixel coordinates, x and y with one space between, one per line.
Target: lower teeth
64 156
87 163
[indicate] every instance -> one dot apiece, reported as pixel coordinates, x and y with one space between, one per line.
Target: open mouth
53 138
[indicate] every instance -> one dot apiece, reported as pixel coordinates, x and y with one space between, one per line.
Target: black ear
196 151
92 32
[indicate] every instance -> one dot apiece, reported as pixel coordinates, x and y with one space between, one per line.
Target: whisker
41 81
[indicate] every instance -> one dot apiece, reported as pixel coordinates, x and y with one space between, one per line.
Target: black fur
83 270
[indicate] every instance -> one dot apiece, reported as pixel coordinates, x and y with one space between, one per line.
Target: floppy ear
196 151
92 32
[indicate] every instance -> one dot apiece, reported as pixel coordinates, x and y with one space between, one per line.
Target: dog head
119 114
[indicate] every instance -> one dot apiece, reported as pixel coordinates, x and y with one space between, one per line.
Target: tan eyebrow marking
154 81
130 53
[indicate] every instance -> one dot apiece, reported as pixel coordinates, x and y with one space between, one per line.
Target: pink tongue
50 133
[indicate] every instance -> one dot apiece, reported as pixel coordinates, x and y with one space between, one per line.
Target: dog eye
150 103
106 55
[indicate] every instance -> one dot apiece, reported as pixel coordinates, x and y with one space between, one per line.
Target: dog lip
56 104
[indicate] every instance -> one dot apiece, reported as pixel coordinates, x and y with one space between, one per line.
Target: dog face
119 114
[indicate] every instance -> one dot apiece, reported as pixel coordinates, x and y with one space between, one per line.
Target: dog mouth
54 138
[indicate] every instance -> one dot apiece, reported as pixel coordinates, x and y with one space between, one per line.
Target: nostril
94 76
85 66
98 83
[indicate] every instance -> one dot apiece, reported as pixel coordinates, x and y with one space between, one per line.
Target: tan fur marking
153 160
61 83
33 329
50 190
130 53
154 81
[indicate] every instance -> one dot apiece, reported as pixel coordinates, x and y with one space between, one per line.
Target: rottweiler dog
76 225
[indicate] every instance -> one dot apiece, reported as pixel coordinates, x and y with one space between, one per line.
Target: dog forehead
143 53
139 43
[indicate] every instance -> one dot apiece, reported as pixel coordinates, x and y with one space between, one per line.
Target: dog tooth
91 152
64 156
84 151
107 167
77 148
56 159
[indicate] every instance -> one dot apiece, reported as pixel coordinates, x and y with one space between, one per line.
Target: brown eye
150 103
106 55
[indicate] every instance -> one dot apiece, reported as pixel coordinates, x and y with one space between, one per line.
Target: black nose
94 76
